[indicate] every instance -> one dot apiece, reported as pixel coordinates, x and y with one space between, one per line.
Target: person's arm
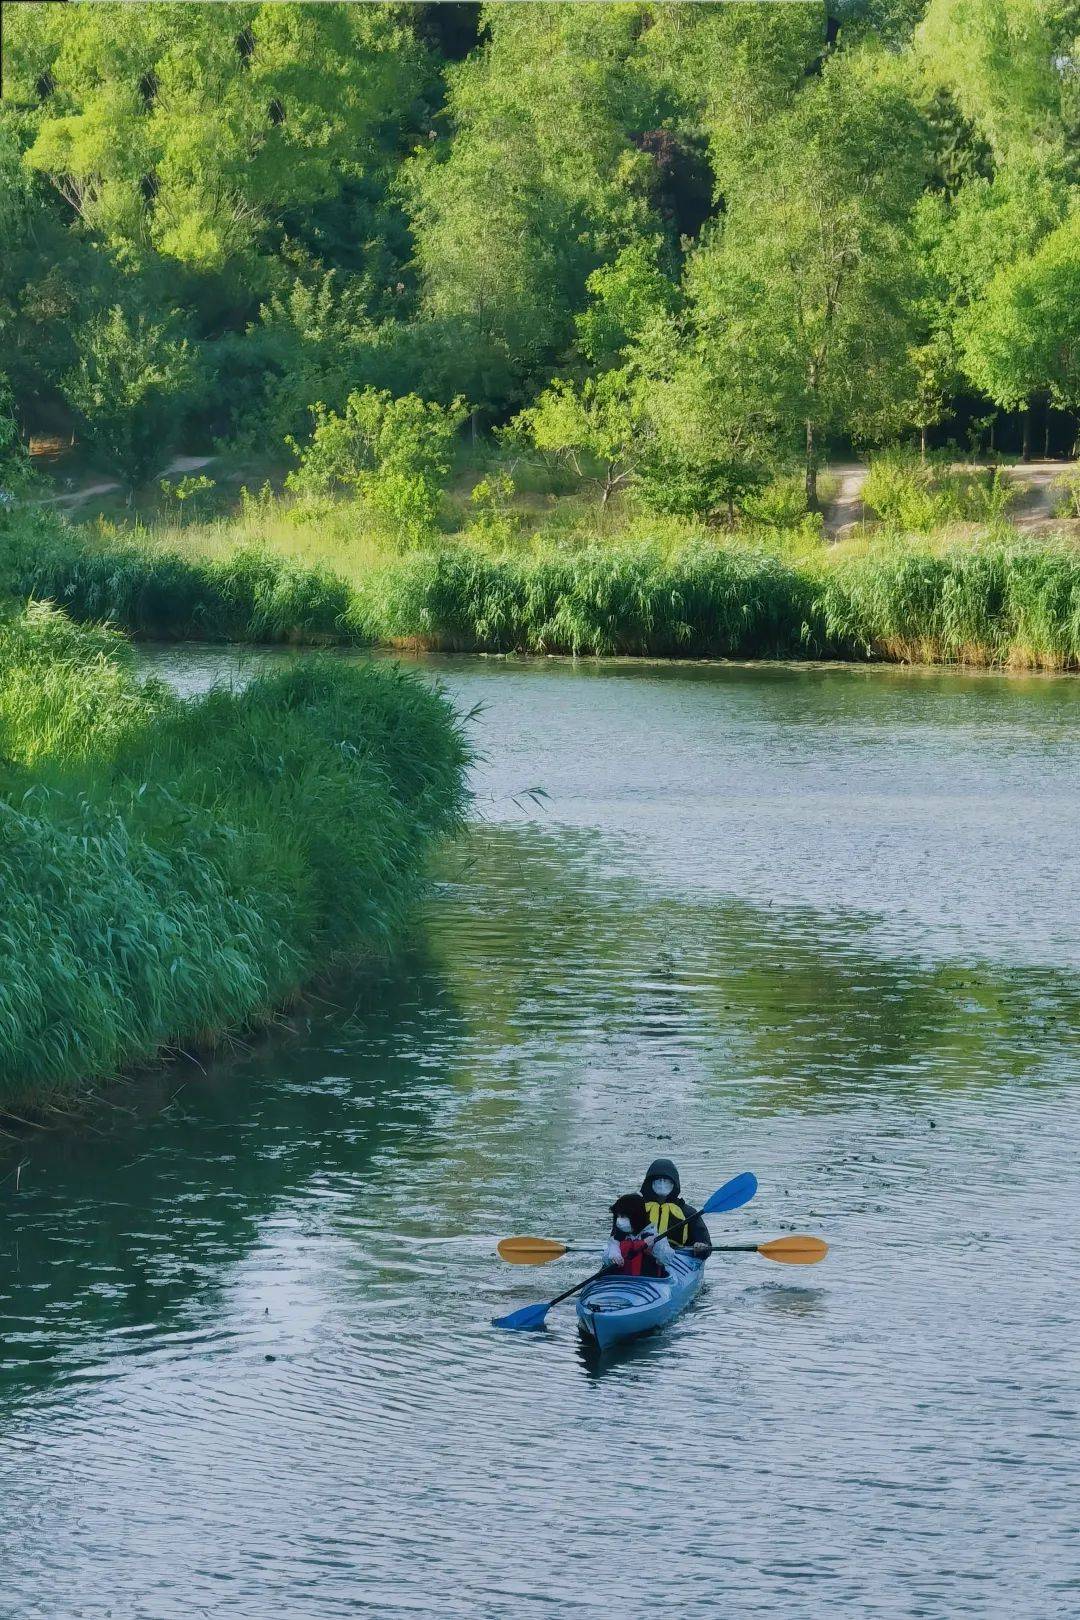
612 1255
661 1252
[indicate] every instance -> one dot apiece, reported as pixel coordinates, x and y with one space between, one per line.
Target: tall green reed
180 871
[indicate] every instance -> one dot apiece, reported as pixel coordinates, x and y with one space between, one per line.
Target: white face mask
622 1222
662 1187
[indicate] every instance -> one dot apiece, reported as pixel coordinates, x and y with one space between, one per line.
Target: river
819 923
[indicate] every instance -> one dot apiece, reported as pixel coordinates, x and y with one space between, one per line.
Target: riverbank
998 599
172 871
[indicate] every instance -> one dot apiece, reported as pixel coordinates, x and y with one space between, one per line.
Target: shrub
395 453
920 494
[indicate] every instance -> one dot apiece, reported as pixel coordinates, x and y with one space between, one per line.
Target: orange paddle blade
530 1251
795 1251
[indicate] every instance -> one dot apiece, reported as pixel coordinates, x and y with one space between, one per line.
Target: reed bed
171 871
1000 599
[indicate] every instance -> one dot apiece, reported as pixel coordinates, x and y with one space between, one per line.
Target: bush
918 495
395 454
1067 492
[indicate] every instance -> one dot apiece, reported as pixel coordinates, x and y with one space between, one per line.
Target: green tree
711 445
131 387
627 297
998 59
604 420
1023 338
966 242
396 454
539 184
189 129
806 291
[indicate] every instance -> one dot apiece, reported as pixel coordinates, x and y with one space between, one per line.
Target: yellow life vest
670 1215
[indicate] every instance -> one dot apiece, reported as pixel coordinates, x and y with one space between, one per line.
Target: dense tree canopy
688 241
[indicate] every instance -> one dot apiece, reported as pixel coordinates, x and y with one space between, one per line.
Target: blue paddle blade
732 1195
530 1319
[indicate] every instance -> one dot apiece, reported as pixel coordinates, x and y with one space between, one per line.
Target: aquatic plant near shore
1002 599
184 872
707 601
1012 604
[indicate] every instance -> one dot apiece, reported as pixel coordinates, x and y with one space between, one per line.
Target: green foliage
1023 338
920 494
999 603
16 473
997 57
131 387
605 419
167 131
1000 600
494 523
781 504
1067 491
782 236
627 298
171 871
396 454
705 602
190 494
251 595
806 292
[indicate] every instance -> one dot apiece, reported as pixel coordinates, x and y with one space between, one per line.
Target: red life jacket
635 1256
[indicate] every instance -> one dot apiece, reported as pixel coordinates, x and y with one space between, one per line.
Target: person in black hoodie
669 1212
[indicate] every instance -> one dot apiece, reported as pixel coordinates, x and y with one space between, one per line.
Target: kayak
617 1307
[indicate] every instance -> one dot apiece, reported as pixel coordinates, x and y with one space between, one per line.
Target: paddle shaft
576 1288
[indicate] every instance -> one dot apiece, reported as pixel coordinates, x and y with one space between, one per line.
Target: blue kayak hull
617 1307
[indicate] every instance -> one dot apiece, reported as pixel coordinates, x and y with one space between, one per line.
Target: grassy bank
999 599
171 870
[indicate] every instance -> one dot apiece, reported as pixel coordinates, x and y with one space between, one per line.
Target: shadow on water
115 1236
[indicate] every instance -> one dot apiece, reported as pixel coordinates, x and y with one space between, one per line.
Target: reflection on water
814 923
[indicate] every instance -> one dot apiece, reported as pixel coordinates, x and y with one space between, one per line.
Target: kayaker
634 1246
669 1214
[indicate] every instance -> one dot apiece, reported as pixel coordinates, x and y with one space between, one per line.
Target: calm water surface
817 923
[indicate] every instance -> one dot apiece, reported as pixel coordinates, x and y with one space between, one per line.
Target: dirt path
1036 496
846 508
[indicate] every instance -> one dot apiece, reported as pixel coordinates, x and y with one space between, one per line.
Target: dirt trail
846 508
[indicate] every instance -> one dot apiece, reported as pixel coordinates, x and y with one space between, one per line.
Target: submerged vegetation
172 870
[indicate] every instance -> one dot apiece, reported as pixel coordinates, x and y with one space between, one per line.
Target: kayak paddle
530 1318
792 1251
529 1251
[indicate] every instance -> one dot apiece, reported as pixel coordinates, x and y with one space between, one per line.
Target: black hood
660 1167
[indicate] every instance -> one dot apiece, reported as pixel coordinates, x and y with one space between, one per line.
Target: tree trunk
1025 447
811 467
472 421
731 511
922 444
1046 433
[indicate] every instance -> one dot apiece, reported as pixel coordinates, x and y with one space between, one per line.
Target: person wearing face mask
634 1246
669 1214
